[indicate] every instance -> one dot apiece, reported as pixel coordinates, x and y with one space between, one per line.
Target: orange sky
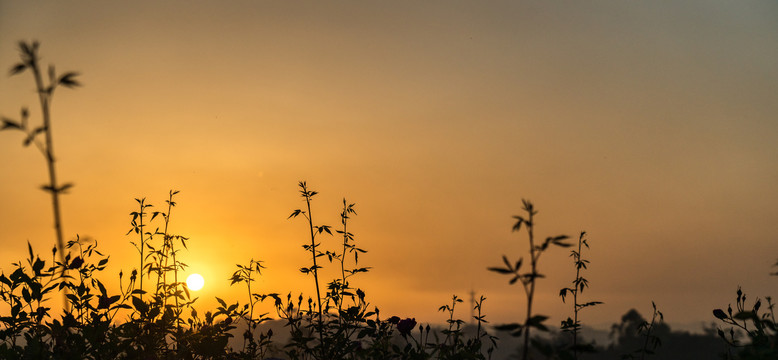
651 125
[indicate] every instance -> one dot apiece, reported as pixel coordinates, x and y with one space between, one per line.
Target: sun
195 282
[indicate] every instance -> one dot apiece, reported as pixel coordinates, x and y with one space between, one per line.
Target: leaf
528 206
154 312
324 228
16 69
537 322
10 124
223 304
28 140
507 263
500 270
295 213
718 313
62 189
519 220
139 305
745 315
38 265
591 303
508 327
26 295
68 80
29 50
559 241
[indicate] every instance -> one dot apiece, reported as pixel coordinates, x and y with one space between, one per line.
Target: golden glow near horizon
195 282
649 125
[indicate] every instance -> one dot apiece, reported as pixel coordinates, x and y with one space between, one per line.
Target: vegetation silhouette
573 325
761 331
30 60
528 279
159 321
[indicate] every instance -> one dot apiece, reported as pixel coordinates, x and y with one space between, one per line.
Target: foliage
573 325
30 60
635 329
760 329
162 324
158 320
528 279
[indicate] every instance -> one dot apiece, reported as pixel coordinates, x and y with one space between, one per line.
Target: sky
649 125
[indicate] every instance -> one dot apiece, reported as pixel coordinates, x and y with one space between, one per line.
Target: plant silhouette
761 329
30 60
528 279
155 318
580 283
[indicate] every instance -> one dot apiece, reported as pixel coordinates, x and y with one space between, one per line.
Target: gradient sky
650 125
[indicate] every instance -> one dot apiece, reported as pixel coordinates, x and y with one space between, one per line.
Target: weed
144 236
573 326
31 60
528 279
251 347
650 341
315 253
762 331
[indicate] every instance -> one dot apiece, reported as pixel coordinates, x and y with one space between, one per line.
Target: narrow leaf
16 69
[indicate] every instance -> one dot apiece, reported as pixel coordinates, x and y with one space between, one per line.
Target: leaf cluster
529 277
760 329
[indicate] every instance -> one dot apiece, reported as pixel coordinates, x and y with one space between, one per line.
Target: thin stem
531 292
315 267
575 296
344 219
248 282
645 343
168 240
478 330
142 243
45 99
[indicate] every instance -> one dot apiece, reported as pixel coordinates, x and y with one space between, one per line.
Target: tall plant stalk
528 279
31 60
534 265
314 230
245 273
579 284
308 195
168 247
648 337
138 227
347 238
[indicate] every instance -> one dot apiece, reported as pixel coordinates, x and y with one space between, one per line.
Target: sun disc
195 282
